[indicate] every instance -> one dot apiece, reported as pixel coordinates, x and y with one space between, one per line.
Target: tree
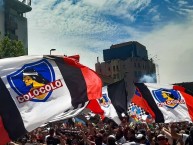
10 48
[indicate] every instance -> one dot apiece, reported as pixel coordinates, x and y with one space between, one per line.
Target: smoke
148 79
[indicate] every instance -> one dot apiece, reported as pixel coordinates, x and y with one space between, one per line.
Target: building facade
128 61
13 22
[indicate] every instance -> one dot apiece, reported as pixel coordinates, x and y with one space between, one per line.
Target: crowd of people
109 133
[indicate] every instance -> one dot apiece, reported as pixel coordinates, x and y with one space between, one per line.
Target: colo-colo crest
34 82
168 97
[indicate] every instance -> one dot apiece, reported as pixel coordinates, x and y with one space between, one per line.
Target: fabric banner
166 103
138 114
118 95
35 89
112 103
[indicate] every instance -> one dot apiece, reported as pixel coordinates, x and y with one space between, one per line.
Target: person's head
111 140
161 139
119 134
140 138
51 131
98 139
142 131
131 134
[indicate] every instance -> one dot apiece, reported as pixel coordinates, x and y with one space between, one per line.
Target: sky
87 27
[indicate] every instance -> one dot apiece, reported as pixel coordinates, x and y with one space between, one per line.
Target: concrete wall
131 69
21 30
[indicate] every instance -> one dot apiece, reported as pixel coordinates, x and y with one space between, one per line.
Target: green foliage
10 48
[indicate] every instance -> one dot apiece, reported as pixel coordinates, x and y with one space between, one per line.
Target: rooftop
125 44
18 6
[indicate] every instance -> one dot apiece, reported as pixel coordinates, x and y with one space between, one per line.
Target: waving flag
139 114
166 103
35 89
112 103
138 100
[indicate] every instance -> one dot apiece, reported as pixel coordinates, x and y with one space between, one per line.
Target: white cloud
156 17
173 46
68 19
182 2
84 29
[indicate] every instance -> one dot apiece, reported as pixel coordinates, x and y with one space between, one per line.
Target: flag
35 89
80 119
112 103
186 87
135 112
138 100
72 112
95 107
75 57
168 103
104 107
118 95
139 114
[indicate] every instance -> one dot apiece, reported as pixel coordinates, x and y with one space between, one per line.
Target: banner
35 89
112 103
166 103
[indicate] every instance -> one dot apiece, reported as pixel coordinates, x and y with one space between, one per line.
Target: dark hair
35 76
111 141
51 131
99 139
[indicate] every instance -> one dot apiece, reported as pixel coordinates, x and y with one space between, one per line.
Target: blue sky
86 27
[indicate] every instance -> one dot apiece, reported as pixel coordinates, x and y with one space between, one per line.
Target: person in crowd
141 139
185 139
111 140
52 139
108 134
162 140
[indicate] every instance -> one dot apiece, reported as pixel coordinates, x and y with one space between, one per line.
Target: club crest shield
168 97
33 81
105 101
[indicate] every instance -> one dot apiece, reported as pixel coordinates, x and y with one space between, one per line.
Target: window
113 68
114 76
117 67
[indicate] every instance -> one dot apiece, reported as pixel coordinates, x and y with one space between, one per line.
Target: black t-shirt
52 140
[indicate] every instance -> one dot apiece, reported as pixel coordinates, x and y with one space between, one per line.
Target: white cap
138 136
111 136
160 135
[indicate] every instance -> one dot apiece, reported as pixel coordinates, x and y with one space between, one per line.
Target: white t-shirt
184 137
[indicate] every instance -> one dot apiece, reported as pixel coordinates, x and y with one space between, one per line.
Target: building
13 22
127 61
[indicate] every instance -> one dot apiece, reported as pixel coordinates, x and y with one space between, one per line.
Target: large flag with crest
35 89
165 103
